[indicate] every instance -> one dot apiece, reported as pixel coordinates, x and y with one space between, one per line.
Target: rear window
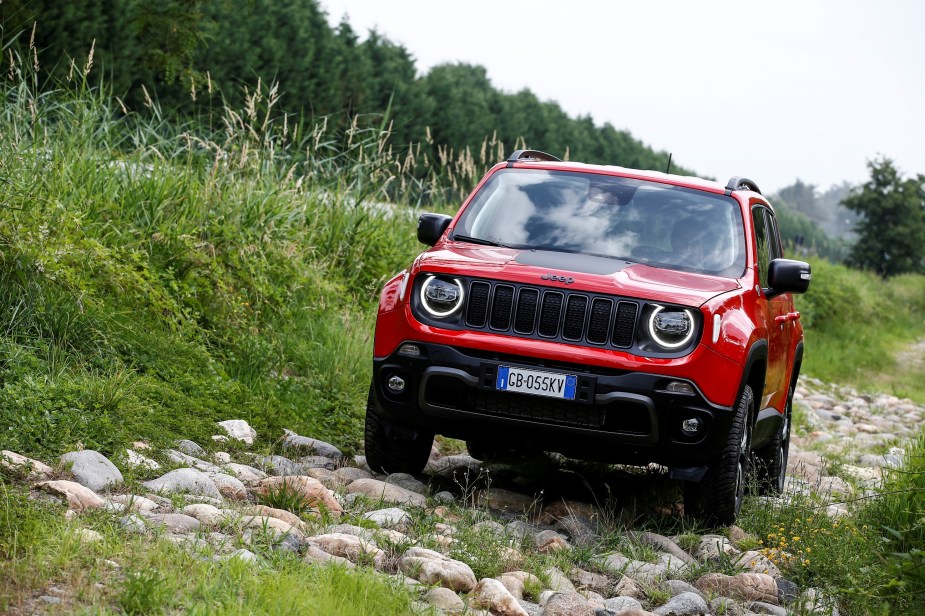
633 220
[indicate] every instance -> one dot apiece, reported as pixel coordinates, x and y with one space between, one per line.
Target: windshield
636 220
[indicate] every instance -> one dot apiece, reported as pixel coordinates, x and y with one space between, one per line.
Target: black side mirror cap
431 227
788 276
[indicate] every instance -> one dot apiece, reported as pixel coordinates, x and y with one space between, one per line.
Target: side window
773 236
762 242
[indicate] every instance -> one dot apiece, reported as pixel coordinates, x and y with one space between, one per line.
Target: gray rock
240 430
135 460
685 604
616 605
532 609
288 542
489 525
190 447
664 544
582 529
245 472
133 523
456 466
184 480
310 462
406 481
242 554
591 581
434 568
567 604
50 600
388 493
557 580
677 587
92 469
445 599
278 466
444 497
759 607
548 541
311 445
187 460
229 486
724 606
787 591
174 522
348 474
392 517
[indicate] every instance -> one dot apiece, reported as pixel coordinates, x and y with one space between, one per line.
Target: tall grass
858 325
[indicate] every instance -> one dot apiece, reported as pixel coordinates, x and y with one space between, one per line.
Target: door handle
786 318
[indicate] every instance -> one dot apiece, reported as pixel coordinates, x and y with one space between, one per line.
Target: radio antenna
668 168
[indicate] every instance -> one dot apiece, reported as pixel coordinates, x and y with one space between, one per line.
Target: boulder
240 430
355 549
210 515
434 568
184 480
445 599
386 492
389 518
228 486
310 445
743 586
567 604
78 497
685 604
24 467
174 522
491 594
92 469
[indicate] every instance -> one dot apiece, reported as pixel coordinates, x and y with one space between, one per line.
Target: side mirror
787 276
431 227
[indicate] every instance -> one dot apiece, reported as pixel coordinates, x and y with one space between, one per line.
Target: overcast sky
773 91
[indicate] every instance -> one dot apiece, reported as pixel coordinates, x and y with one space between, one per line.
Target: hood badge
554 278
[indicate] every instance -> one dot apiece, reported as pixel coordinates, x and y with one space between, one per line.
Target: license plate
537 382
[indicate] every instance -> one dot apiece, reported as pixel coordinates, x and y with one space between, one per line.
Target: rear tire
386 452
717 498
771 460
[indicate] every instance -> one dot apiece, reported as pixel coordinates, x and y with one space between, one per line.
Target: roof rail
518 155
740 183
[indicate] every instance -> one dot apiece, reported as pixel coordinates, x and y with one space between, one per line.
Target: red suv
604 313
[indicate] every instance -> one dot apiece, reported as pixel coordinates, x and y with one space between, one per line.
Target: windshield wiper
476 240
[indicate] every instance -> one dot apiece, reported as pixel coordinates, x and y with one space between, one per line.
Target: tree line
210 49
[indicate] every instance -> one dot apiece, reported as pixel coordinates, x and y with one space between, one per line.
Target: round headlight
441 297
671 329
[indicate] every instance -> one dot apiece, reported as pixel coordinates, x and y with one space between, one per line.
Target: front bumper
618 416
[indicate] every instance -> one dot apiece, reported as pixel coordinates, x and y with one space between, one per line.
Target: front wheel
387 452
717 498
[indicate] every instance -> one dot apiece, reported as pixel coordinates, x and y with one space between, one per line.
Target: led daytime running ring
438 313
665 343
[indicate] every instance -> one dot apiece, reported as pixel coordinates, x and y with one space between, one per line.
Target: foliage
192 56
857 325
891 232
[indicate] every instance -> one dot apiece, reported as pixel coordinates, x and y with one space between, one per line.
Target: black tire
388 453
717 498
771 460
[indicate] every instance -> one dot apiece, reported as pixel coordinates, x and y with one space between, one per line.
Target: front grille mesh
570 317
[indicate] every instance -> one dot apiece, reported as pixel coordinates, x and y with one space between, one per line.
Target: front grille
528 311
535 408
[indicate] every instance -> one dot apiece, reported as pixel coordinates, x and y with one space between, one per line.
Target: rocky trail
421 530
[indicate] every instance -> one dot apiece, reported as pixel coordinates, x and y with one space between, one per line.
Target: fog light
396 384
680 387
410 350
690 426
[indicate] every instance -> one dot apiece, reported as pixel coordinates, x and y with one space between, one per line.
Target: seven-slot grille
550 313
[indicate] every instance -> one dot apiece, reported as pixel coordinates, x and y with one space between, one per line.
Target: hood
569 271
